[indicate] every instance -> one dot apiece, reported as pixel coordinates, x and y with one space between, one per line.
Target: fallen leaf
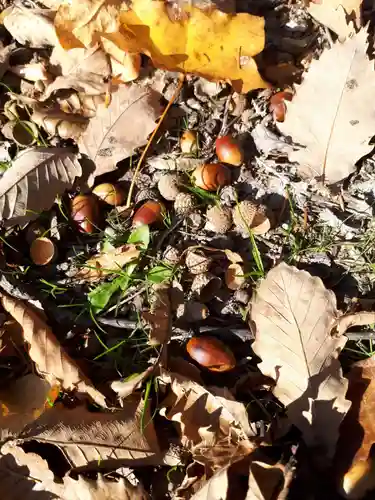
159 316
335 13
294 314
56 122
133 108
123 388
332 133
102 489
31 26
212 44
90 437
175 162
37 170
46 352
354 461
108 262
5 53
212 424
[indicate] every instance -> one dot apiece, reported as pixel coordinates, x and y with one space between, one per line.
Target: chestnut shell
211 353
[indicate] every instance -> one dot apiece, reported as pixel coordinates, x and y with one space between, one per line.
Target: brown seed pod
42 251
168 186
205 286
211 353
149 213
211 176
277 104
219 219
189 142
184 204
247 215
197 262
110 193
228 150
85 212
234 276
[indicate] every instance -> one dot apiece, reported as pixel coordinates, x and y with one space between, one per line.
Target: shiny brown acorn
85 212
150 212
211 176
211 353
228 150
42 251
277 104
189 142
110 193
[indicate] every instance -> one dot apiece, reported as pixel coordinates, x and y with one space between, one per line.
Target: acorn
150 212
234 276
189 142
197 262
219 219
205 286
211 353
85 212
42 251
110 193
145 194
168 186
247 215
184 204
211 176
228 150
277 104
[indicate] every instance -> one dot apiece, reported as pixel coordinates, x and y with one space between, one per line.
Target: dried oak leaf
212 424
330 118
294 314
46 352
87 437
159 316
102 489
335 14
37 170
117 130
108 262
212 44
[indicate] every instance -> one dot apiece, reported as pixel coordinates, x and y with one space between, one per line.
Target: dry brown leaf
212 424
56 122
330 116
212 44
334 15
108 262
133 109
5 53
37 170
91 437
123 388
294 314
102 489
159 316
31 26
46 352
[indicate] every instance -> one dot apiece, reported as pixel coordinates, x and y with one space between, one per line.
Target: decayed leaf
102 489
108 262
159 317
330 116
46 352
334 14
133 109
212 424
37 170
90 437
31 26
294 314
212 44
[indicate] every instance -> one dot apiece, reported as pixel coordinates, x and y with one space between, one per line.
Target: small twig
143 155
226 113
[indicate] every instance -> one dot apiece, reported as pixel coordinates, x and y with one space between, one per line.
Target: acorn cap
219 219
248 215
197 262
171 255
184 203
145 194
168 186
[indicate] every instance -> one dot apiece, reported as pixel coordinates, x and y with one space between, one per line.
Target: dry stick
143 155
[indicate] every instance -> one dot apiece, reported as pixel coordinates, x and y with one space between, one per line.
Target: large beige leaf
214 427
294 314
334 15
31 185
331 116
46 352
117 130
91 437
102 489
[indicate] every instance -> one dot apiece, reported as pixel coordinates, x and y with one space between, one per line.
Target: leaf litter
95 359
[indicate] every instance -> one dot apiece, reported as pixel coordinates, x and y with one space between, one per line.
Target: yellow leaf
212 44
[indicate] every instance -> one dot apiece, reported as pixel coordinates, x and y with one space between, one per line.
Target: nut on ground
168 186
197 262
219 219
184 203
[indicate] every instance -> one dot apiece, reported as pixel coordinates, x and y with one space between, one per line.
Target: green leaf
140 236
158 274
101 295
